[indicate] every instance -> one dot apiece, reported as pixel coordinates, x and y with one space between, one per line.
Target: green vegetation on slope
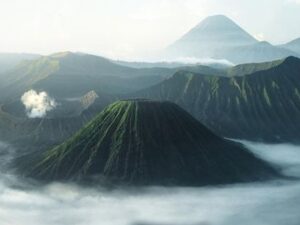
264 105
148 142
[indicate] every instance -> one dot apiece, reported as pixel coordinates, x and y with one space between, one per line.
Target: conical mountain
212 35
219 37
219 28
149 142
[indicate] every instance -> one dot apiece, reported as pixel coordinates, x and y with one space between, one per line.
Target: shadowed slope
264 105
147 142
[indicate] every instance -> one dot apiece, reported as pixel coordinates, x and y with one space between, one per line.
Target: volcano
145 142
213 35
219 37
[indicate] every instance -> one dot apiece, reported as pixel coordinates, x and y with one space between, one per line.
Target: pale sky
130 29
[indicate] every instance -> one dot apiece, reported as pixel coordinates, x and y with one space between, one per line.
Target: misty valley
273 202
206 132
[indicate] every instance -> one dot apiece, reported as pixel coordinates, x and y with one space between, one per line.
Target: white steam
37 104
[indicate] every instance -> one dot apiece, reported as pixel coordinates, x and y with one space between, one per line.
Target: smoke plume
37 104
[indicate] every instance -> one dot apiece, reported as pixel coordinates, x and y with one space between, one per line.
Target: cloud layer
203 61
267 203
37 104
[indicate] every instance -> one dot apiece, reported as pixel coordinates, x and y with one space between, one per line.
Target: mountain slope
293 46
10 60
258 52
264 105
249 68
72 75
219 37
146 142
214 34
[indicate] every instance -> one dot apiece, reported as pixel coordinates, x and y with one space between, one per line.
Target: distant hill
293 46
148 143
218 37
69 75
258 52
257 101
213 34
10 60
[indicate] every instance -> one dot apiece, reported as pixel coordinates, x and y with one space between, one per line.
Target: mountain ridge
65 74
219 37
262 106
130 142
293 45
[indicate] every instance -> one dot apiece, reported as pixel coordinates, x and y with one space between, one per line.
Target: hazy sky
132 28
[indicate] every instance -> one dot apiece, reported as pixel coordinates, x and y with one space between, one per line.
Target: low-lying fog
269 203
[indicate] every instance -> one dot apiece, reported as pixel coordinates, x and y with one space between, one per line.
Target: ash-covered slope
149 142
258 52
262 103
212 35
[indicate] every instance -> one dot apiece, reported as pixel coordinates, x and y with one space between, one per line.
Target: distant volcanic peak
218 37
221 25
211 38
216 20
